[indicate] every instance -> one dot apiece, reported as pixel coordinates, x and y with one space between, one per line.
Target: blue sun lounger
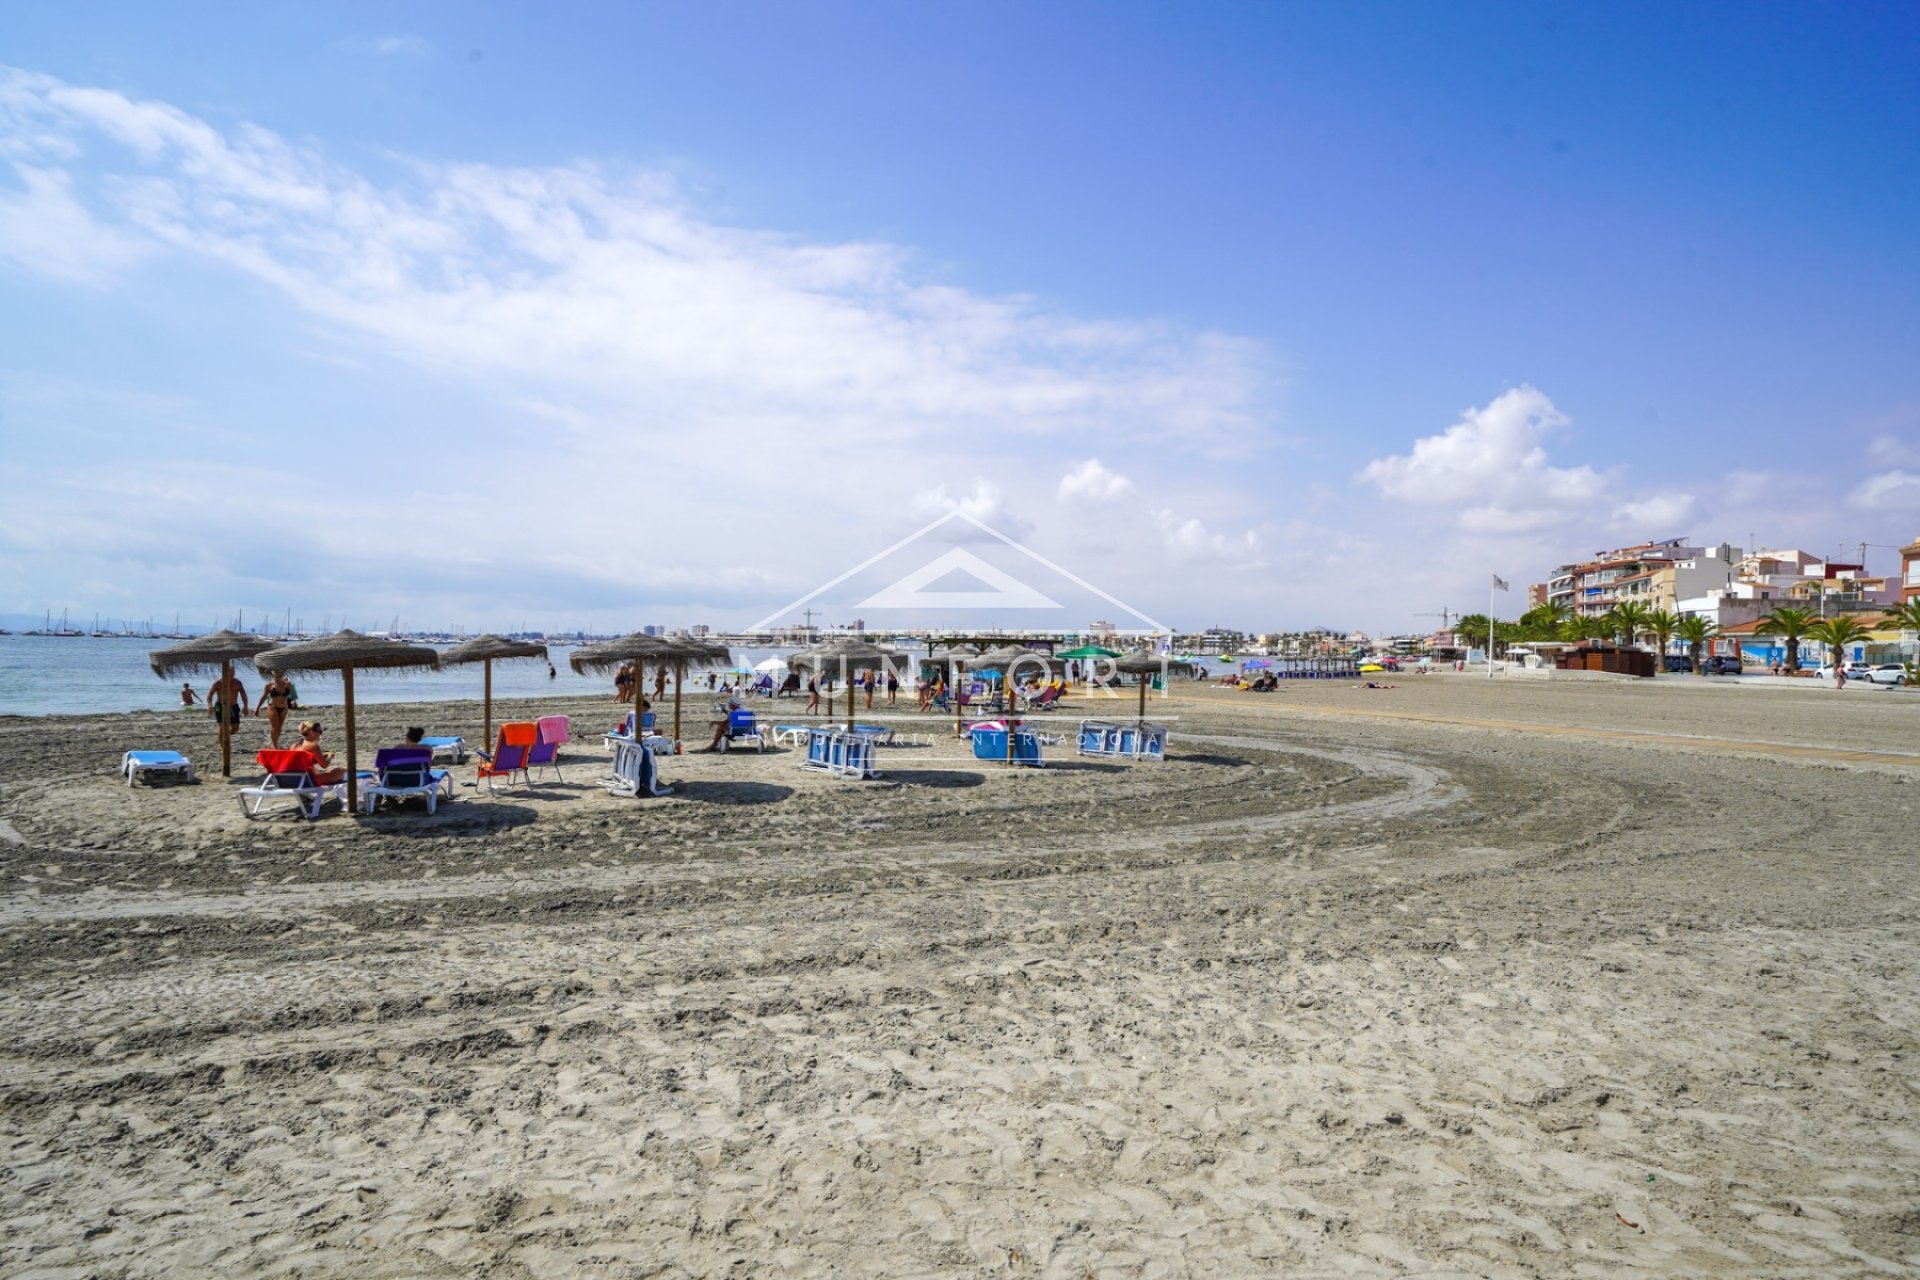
840 753
136 765
454 749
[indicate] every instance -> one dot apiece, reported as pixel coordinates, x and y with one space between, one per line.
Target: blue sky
1264 315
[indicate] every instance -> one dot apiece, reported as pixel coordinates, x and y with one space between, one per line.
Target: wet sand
1475 977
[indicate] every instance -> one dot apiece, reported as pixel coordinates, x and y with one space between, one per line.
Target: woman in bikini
275 701
323 771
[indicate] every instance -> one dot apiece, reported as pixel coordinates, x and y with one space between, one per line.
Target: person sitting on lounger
323 770
416 737
723 714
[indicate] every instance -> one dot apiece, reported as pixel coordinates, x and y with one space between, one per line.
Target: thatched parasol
1144 662
1006 660
346 652
489 649
216 652
609 656
843 654
687 653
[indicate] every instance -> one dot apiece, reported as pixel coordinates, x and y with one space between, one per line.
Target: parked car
1722 665
1883 673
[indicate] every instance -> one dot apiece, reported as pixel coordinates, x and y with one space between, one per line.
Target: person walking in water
187 695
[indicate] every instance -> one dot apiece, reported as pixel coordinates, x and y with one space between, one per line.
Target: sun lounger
634 771
880 733
743 727
289 777
509 757
792 735
455 749
138 765
405 773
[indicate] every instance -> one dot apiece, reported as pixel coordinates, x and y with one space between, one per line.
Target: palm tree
1471 629
1905 617
1661 623
1628 619
1695 631
1586 627
1543 621
1789 624
1837 633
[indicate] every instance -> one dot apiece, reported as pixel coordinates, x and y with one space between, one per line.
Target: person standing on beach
227 697
275 701
813 695
893 687
660 683
623 684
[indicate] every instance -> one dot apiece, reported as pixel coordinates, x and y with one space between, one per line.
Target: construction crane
1445 615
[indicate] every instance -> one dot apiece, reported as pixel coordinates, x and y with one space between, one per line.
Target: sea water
70 675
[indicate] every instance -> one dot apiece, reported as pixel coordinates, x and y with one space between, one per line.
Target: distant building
1910 571
1655 574
700 628
858 624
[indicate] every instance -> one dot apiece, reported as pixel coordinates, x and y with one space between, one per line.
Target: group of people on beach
227 699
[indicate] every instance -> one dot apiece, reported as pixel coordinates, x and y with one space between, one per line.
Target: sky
1254 315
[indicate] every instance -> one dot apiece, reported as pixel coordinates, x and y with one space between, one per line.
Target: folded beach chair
840 753
136 765
880 733
1097 738
623 732
509 756
550 734
990 743
405 773
289 777
634 771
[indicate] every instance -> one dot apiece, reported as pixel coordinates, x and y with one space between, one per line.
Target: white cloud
1893 451
610 285
1493 464
1091 481
43 228
1188 540
1890 490
982 502
1659 511
412 46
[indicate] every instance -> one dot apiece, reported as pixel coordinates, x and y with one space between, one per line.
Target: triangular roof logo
958 579
912 591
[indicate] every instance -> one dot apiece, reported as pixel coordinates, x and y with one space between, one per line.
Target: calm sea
65 675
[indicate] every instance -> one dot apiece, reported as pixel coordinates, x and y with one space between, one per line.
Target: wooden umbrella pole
958 669
1142 723
486 731
353 759
679 678
226 734
849 679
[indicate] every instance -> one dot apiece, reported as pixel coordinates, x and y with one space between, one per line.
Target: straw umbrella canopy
1144 662
489 649
843 654
1006 660
347 652
215 652
609 656
686 653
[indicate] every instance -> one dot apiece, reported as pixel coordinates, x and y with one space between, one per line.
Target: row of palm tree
1629 620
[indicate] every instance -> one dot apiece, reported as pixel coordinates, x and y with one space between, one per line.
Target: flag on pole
1500 583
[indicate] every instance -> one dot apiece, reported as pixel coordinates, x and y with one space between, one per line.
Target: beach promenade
1465 976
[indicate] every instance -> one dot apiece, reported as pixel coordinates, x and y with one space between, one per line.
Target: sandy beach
1464 977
